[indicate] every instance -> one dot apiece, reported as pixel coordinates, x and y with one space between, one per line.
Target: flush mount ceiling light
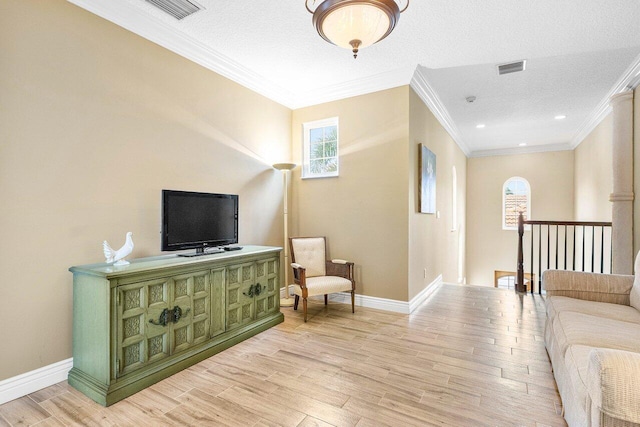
355 24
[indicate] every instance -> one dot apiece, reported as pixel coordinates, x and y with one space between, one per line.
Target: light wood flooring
469 356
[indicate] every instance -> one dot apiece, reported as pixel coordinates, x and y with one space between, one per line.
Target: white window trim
504 186
306 127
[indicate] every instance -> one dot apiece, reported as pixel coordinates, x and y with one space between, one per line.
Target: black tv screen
198 220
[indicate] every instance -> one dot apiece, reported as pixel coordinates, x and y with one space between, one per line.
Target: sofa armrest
611 288
612 383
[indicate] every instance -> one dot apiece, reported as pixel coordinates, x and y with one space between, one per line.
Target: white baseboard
425 293
384 303
29 382
371 302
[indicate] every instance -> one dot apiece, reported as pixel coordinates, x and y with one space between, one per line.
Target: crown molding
135 20
138 22
522 150
375 83
147 26
428 95
628 81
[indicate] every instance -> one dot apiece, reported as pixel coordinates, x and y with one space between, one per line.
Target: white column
622 196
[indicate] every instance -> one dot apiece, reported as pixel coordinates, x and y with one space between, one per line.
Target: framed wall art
427 180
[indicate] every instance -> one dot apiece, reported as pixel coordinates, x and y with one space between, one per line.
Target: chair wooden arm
340 268
299 275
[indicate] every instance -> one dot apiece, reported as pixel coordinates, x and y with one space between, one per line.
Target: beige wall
593 177
363 212
489 247
369 212
435 243
94 122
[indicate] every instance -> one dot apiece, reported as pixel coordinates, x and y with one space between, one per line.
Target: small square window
320 149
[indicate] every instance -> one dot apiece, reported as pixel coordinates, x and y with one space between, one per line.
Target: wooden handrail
522 223
578 223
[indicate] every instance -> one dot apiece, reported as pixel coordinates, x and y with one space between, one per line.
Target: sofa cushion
571 328
625 313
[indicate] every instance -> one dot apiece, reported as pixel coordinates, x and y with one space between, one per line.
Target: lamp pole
286 168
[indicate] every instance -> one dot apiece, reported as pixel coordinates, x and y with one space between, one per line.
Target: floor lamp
286 168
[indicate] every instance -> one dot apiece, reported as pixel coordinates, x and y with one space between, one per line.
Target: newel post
520 285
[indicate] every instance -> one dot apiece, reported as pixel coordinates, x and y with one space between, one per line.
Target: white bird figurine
119 255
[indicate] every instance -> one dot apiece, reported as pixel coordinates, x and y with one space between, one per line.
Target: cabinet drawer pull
167 316
258 289
177 313
250 294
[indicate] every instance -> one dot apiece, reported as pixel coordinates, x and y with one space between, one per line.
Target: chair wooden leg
325 299
304 308
295 302
353 301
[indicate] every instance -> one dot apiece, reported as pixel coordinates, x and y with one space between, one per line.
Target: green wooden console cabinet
137 324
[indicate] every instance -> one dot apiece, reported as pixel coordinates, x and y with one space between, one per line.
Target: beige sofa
592 335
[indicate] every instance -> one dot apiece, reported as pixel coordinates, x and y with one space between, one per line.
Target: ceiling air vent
512 67
177 8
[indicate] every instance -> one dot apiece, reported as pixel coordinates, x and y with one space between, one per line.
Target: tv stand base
198 253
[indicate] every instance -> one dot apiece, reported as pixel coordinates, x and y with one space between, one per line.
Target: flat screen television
198 220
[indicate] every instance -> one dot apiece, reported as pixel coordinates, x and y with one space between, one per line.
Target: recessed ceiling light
560 117
522 144
480 126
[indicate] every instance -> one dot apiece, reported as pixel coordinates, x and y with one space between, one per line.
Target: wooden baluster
556 246
565 247
593 247
602 250
539 262
575 230
548 246
584 236
531 281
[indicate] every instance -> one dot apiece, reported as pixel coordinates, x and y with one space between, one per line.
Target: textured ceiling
578 53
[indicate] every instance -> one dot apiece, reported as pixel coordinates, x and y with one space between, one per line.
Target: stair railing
561 245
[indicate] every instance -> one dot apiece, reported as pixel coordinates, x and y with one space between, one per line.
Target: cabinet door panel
240 304
268 301
201 307
192 298
141 336
138 341
218 304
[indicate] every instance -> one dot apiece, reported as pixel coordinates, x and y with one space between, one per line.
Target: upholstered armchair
313 274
